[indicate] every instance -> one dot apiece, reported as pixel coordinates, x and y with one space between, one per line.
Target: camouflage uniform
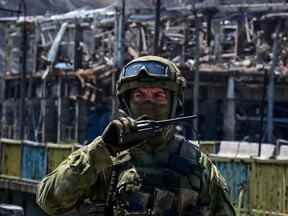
152 182
170 179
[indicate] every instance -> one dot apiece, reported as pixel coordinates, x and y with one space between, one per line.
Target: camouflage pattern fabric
167 181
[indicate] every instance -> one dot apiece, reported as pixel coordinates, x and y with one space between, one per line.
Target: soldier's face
151 101
150 94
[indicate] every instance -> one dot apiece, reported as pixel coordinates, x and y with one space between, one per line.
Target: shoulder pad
186 159
190 151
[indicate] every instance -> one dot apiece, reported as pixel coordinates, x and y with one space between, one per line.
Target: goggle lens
153 68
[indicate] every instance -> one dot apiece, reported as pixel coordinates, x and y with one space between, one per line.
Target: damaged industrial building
58 87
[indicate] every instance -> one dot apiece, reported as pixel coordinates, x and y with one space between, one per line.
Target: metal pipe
262 111
120 23
7 41
78 53
59 110
23 75
271 84
185 43
43 110
229 114
157 28
196 77
76 135
120 34
209 30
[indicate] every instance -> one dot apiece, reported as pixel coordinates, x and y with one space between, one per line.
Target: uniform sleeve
71 181
221 204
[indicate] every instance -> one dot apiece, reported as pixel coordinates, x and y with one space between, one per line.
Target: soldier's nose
148 98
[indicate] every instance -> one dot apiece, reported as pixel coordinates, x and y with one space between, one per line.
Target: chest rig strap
121 162
178 162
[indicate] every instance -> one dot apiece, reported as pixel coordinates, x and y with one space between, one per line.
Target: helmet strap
124 105
173 105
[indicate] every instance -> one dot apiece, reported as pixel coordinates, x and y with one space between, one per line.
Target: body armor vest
164 184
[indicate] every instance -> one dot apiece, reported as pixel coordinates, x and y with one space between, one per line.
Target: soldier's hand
115 133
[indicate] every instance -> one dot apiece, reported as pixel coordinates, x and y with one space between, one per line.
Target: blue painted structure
236 175
98 119
34 160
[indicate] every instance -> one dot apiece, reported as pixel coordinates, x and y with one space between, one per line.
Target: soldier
162 174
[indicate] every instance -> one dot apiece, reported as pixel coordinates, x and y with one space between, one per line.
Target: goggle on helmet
152 71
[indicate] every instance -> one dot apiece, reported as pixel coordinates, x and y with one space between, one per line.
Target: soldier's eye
138 94
161 95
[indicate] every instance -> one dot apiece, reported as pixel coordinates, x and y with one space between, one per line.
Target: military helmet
152 71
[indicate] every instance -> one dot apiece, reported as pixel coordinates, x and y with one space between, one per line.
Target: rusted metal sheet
57 153
11 150
264 183
269 185
34 160
236 174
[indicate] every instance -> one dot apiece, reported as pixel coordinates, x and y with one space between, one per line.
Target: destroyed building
58 80
71 60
